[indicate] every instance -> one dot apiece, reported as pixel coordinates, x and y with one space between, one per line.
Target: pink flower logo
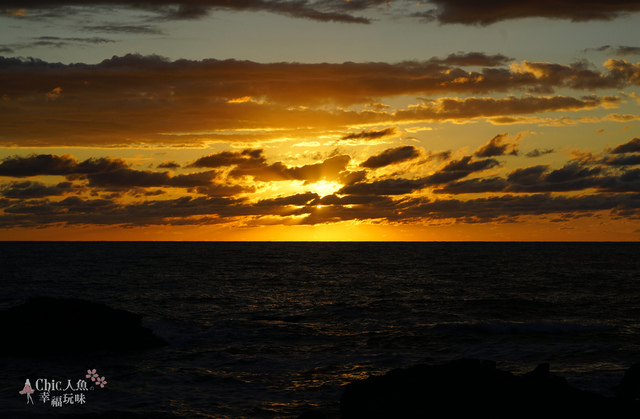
92 374
101 382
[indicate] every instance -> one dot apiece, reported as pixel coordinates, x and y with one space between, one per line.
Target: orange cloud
136 99
98 191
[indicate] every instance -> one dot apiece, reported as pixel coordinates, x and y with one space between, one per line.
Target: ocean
270 330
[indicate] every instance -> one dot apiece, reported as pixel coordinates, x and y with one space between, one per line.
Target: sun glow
324 188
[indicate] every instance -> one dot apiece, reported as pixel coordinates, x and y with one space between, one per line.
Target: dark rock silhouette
629 387
473 388
67 326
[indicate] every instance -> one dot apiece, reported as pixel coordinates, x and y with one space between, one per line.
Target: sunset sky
319 120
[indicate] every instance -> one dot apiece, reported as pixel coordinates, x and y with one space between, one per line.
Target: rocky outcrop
473 388
629 387
66 326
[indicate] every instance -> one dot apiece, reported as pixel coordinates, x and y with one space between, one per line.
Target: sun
324 188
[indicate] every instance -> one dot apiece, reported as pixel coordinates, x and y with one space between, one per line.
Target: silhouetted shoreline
39 320
474 388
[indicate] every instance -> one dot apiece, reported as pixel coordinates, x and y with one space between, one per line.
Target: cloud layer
225 187
355 11
491 11
139 99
